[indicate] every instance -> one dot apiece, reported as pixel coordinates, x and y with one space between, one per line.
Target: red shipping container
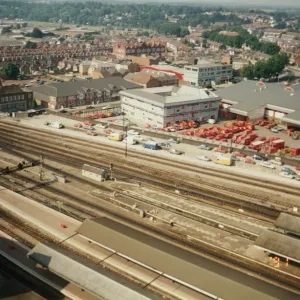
279 144
295 151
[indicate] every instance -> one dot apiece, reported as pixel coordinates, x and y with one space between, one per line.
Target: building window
2 99
6 99
18 97
14 98
22 97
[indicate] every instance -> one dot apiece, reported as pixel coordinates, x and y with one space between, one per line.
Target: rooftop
75 87
175 261
248 96
288 222
90 277
279 244
172 95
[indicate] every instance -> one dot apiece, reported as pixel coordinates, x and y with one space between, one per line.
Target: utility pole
41 167
126 149
111 166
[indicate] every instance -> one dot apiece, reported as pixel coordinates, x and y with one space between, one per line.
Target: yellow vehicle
223 160
115 137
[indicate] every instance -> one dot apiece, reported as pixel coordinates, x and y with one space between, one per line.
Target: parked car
277 161
211 121
165 145
258 157
101 126
274 130
176 152
172 141
205 158
220 150
267 164
286 175
235 158
297 178
204 147
288 170
88 132
239 154
132 132
249 161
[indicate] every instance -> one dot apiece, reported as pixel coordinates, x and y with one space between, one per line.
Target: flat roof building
202 74
253 100
163 105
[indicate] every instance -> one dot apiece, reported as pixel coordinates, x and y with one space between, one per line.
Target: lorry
54 124
223 160
151 145
115 136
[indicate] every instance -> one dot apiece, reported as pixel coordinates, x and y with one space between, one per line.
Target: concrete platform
18 255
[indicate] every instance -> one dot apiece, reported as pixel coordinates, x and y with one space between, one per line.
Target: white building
163 105
206 73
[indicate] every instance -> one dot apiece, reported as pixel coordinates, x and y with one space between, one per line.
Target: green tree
10 70
37 33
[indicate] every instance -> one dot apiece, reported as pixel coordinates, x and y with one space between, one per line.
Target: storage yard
200 211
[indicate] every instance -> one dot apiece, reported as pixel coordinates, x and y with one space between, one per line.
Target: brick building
13 98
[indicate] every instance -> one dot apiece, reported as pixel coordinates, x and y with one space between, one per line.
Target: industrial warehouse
163 105
250 100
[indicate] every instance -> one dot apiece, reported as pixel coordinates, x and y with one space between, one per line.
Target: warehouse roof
279 244
90 277
288 222
75 87
167 96
174 261
248 96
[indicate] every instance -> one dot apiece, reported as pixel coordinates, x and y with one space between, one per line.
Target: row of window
208 69
13 98
13 106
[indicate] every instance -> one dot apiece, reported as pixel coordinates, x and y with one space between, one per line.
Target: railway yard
160 227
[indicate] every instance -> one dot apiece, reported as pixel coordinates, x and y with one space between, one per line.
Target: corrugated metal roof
90 277
249 96
279 244
71 88
288 222
177 262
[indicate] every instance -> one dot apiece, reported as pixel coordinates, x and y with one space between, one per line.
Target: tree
204 43
37 33
10 70
5 30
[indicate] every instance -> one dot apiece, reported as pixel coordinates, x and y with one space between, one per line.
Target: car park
267 164
204 158
259 157
204 147
286 175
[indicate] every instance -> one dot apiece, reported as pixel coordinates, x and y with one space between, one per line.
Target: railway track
184 166
193 244
57 153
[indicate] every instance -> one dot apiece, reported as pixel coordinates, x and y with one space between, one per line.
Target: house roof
288 222
75 87
10 89
174 261
247 96
279 244
140 78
